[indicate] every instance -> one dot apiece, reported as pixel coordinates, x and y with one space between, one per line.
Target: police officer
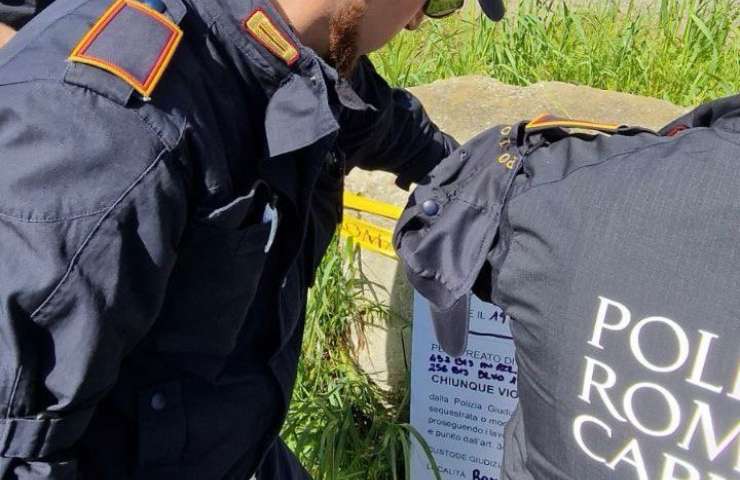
171 176
615 251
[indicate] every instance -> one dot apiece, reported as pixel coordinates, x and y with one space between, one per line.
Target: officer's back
618 260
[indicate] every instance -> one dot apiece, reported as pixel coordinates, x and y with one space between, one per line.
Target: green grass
341 425
684 51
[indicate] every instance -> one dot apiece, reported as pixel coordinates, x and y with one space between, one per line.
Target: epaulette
132 41
265 30
547 121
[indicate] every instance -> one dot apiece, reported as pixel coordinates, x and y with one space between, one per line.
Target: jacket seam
145 122
144 119
495 210
13 392
54 220
88 239
607 159
148 124
725 128
442 279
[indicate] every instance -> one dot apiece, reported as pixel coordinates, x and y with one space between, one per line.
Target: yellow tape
368 235
368 205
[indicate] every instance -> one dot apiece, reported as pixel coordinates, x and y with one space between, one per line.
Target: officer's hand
6 33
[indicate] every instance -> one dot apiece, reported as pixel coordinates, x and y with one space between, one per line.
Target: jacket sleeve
396 135
464 241
91 210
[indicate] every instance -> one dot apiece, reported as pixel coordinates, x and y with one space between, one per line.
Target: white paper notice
461 405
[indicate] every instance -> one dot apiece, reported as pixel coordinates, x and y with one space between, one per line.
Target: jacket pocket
215 279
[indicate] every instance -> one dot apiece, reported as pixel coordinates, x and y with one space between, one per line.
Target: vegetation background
341 424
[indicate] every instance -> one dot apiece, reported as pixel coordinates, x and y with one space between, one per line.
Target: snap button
506 131
430 207
159 402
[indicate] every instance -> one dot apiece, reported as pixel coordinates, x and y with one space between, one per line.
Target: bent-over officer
171 177
614 250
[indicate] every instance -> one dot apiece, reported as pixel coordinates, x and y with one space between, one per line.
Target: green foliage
684 51
341 425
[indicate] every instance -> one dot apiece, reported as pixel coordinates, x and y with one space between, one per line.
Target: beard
344 33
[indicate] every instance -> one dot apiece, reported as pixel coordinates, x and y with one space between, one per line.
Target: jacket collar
305 96
724 112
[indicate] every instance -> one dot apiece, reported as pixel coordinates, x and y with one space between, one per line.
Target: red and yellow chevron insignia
151 41
265 31
546 121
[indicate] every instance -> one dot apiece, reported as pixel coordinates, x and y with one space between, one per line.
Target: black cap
451 326
494 9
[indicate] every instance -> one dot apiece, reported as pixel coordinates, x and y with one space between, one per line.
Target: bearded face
344 35
358 27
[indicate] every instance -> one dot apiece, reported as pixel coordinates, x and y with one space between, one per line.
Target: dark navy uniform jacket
150 314
618 259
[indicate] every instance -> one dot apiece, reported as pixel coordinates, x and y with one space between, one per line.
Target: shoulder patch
131 41
265 31
546 121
